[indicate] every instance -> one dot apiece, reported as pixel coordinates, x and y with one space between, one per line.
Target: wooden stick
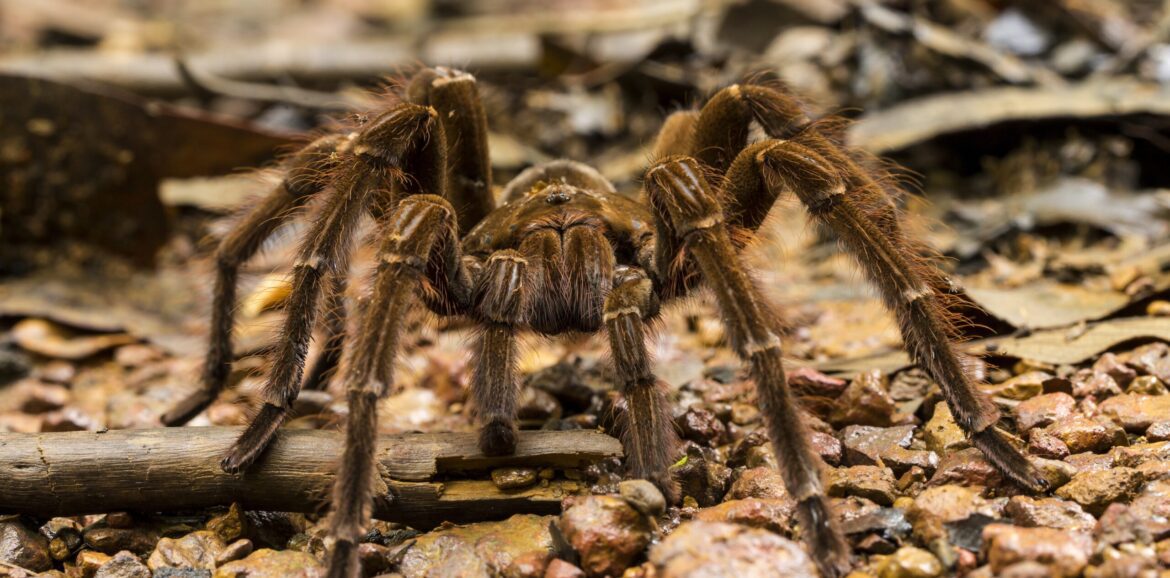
66 474
917 120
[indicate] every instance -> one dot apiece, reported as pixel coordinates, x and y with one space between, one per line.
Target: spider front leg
420 244
842 190
404 141
648 435
317 378
303 179
688 211
501 295
906 281
455 94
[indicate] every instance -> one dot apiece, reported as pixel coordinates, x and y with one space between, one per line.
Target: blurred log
919 120
68 474
487 36
156 73
82 163
948 43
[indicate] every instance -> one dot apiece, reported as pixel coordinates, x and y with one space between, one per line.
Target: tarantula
566 253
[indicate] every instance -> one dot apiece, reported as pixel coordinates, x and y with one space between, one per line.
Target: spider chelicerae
566 253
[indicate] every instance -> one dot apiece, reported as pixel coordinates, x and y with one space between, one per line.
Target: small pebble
1020 387
774 515
701 427
123 565
1094 490
1135 413
643 496
141 541
235 551
230 525
697 549
1146 385
513 478
870 482
1046 445
195 550
826 446
538 405
1158 431
865 402
867 445
1084 434
1063 552
23 547
1143 520
760 482
560 569
605 531
966 467
1112 366
1158 308
1049 513
910 562
702 478
1089 383
273 564
64 536
88 561
808 381
1044 409
942 434
938 505
119 520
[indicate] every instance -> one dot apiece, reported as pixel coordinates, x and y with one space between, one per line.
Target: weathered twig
178 469
946 42
918 120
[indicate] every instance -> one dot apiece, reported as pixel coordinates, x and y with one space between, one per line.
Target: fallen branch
67 474
922 119
1059 346
948 43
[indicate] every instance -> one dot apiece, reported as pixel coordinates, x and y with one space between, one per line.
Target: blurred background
1037 132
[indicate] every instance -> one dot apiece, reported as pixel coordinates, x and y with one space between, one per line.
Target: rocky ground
914 497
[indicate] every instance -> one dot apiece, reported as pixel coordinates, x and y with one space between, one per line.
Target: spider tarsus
254 440
1000 451
828 546
497 438
189 407
343 560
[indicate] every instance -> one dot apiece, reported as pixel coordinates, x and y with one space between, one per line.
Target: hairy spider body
566 253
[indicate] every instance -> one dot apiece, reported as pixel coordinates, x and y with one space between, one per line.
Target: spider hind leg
302 182
420 231
405 140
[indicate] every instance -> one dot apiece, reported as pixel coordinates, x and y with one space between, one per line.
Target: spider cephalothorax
566 252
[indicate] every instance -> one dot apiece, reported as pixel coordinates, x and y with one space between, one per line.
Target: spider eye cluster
552 192
558 195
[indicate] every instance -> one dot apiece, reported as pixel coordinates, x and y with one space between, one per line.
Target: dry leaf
52 340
